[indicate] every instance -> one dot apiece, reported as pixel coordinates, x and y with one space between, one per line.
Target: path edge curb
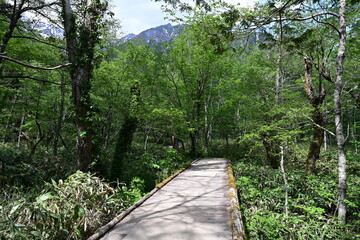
104 229
237 225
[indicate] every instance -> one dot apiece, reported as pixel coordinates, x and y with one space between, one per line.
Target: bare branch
327 23
309 17
268 20
352 91
38 7
40 41
312 17
326 130
34 67
32 78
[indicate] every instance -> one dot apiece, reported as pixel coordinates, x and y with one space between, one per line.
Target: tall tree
82 32
338 110
335 19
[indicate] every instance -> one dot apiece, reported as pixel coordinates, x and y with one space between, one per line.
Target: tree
297 11
338 110
82 33
126 133
197 66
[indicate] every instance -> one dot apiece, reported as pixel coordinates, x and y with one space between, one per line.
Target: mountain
156 35
49 30
163 33
43 28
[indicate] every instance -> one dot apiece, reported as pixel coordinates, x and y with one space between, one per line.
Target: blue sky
138 15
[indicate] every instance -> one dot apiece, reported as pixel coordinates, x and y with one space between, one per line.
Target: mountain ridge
159 34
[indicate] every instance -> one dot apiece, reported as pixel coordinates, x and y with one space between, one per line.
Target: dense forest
89 123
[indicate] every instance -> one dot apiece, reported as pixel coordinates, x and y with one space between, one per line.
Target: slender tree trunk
39 137
338 112
282 167
146 137
8 120
193 144
20 129
174 142
355 134
60 116
278 78
208 126
279 72
194 134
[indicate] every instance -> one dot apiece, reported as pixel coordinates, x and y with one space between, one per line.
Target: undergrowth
33 208
312 200
70 209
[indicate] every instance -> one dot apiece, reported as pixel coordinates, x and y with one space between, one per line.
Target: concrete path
192 206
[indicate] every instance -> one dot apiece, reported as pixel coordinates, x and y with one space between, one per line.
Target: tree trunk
83 112
123 144
60 116
278 77
316 100
196 121
282 167
146 137
338 112
126 133
207 125
20 129
315 145
206 128
193 144
279 73
15 16
272 149
81 41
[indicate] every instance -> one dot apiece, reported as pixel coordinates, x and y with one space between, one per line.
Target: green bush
154 165
312 201
17 168
70 209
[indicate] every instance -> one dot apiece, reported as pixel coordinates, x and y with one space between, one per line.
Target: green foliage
195 85
312 201
133 193
70 209
152 166
16 169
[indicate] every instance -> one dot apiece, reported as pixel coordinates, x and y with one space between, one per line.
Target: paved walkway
193 206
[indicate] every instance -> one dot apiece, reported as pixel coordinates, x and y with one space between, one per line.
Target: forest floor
194 205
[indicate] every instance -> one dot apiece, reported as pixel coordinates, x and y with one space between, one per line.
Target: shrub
312 201
154 165
70 209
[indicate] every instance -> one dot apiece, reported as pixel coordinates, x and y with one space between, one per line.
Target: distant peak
162 33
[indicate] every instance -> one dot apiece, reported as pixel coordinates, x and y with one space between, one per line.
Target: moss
163 183
237 230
